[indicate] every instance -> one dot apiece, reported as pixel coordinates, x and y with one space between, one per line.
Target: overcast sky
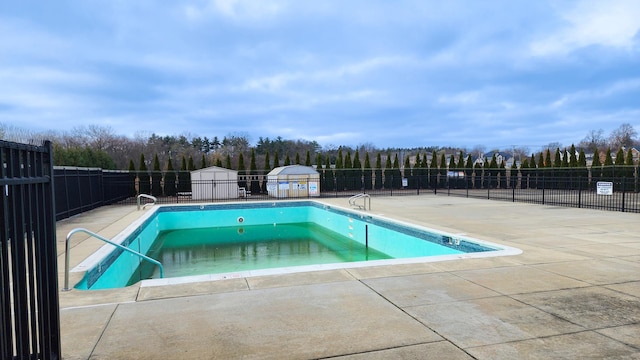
348 72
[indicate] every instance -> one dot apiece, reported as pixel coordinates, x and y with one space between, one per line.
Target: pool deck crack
416 319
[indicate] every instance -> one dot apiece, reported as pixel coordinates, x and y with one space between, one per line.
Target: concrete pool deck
574 292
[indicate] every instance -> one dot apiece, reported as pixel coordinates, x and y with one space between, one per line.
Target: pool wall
111 267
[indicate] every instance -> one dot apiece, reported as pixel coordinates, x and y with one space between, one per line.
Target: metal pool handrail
155 200
354 198
68 249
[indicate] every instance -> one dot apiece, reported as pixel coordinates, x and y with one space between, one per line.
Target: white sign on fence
604 188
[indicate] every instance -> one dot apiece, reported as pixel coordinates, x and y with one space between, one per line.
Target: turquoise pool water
244 238
215 250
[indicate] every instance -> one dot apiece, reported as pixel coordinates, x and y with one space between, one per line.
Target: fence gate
29 313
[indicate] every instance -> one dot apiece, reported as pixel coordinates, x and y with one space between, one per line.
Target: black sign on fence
29 313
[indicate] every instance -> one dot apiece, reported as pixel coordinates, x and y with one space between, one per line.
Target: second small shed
293 181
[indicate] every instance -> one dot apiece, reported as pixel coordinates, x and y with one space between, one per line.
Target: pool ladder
155 200
91 233
353 201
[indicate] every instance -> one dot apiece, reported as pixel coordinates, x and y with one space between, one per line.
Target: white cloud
603 92
612 23
238 10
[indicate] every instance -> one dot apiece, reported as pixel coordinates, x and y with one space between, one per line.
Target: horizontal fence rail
29 313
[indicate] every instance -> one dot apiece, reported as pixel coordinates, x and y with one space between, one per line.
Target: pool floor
190 252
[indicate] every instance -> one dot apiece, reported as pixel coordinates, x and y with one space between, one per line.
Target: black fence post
579 192
623 191
543 186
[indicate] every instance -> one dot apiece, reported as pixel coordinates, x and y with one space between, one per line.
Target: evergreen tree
339 172
287 160
219 163
596 166
417 171
378 173
557 161
533 173
619 158
397 175
267 169
452 167
607 169
297 159
156 177
433 170
493 172
144 182
320 170
442 170
227 164
424 172
368 173
329 177
357 171
276 160
349 181
242 172
460 162
307 160
388 173
573 160
170 180
253 173
184 177
502 172
408 173
203 162
132 178
468 171
318 161
478 176
629 171
190 165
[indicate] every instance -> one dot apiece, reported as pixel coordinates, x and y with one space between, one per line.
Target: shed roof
214 169
293 170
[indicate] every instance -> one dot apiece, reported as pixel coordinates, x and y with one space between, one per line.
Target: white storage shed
293 181
214 183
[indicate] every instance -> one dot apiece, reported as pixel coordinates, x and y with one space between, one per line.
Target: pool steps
91 233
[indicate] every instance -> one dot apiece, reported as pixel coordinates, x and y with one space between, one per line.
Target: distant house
501 157
635 151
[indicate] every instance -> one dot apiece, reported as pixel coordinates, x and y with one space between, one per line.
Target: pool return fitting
91 233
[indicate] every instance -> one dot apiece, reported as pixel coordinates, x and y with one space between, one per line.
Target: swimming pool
360 234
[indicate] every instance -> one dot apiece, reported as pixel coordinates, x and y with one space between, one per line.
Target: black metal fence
78 189
29 313
82 189
538 188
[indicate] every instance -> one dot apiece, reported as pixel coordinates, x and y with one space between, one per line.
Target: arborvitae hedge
329 177
242 172
253 173
144 182
357 171
184 177
156 177
377 184
267 169
170 180
368 173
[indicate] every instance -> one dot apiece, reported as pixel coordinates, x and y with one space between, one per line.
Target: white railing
353 201
67 253
147 197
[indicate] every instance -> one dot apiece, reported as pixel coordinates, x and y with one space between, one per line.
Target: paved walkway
573 293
